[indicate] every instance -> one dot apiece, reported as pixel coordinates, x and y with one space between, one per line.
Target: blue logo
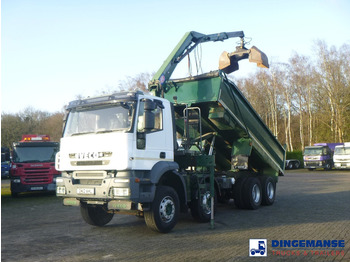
257 247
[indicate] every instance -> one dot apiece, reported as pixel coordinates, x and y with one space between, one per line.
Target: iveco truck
185 145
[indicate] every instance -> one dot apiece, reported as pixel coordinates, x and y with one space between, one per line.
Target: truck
341 157
292 163
320 155
185 145
33 164
5 162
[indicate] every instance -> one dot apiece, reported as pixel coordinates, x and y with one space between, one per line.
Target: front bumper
122 192
21 188
342 165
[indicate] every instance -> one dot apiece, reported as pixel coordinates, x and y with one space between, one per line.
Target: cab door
154 136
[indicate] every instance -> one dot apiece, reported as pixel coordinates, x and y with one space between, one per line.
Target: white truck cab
109 146
341 157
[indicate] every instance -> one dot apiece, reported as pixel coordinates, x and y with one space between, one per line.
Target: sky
54 51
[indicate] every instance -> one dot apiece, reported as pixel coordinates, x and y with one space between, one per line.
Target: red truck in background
33 164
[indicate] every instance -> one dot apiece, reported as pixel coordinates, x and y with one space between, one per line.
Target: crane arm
189 41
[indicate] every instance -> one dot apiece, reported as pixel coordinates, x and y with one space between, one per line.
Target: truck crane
191 142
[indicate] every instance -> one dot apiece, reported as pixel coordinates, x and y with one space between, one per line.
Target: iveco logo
90 155
36 165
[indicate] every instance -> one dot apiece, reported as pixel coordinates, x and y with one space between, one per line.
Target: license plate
86 191
37 188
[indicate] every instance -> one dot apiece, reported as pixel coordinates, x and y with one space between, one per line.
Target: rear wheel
296 165
165 210
238 192
268 186
95 215
252 195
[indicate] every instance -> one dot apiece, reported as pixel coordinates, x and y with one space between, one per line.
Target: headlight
59 179
17 180
121 192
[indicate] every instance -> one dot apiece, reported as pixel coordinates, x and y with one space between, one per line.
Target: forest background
303 101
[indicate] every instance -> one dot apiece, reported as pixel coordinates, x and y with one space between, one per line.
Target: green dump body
224 110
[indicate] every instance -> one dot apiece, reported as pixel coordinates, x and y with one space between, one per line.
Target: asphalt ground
310 206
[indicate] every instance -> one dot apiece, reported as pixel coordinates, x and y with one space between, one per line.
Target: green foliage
30 121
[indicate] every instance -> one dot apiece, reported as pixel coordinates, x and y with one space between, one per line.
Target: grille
37 176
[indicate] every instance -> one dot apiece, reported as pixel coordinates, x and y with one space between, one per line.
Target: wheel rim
270 190
206 204
256 194
167 209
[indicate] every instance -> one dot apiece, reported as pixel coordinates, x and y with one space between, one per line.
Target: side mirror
148 114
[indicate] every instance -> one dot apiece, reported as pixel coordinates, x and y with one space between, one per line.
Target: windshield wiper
78 134
104 131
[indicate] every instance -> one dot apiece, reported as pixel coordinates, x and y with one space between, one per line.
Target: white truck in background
341 157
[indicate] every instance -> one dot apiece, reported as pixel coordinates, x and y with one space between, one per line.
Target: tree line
303 101
306 100
30 121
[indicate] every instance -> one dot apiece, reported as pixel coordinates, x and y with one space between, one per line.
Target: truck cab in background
33 164
341 157
320 155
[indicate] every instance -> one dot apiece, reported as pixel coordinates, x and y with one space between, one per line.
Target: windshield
314 151
100 120
30 154
342 151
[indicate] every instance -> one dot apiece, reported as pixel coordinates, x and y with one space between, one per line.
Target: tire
296 165
201 205
165 210
252 193
13 193
268 186
328 166
95 215
290 165
238 193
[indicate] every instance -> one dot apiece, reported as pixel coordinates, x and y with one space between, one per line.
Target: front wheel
165 210
95 215
328 166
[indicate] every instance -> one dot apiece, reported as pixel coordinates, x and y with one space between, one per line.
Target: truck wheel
328 166
238 193
164 211
95 215
13 193
252 195
201 205
296 165
268 186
